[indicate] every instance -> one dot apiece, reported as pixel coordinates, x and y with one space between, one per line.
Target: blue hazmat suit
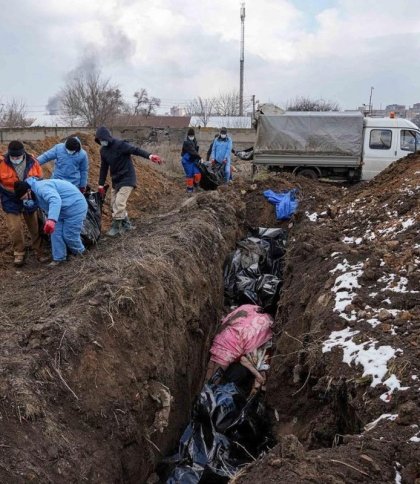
72 168
221 150
63 203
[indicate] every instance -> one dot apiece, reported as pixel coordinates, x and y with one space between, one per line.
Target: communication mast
241 62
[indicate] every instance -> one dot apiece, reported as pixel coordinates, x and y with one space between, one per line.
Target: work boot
127 225
19 260
41 258
56 263
116 228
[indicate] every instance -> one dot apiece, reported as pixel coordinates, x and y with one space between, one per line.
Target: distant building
398 109
177 111
222 121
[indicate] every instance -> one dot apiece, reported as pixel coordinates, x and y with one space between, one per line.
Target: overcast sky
180 49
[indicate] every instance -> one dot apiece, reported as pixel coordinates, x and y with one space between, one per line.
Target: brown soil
89 350
314 395
154 191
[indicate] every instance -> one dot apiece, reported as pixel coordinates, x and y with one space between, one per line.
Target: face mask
223 136
191 138
29 204
70 152
104 143
17 161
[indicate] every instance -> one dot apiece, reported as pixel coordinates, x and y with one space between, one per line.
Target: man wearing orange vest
17 165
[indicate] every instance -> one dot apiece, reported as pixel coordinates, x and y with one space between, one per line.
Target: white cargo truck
333 145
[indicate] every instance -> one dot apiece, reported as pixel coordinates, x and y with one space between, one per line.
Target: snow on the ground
384 416
313 217
373 357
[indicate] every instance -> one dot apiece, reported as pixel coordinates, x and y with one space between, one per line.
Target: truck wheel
309 173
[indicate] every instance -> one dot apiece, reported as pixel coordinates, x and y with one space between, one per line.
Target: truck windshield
410 140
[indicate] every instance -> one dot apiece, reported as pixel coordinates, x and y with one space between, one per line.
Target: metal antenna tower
241 62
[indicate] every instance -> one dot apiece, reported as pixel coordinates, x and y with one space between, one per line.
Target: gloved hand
49 226
101 191
156 159
82 189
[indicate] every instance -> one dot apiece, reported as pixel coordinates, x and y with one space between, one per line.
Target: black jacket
190 147
117 158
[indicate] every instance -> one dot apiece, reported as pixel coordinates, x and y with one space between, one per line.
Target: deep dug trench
86 350
85 368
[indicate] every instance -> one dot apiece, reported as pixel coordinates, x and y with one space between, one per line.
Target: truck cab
386 140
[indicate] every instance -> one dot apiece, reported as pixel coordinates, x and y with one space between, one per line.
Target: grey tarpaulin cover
318 133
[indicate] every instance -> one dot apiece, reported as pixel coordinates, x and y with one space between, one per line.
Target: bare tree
145 105
203 108
228 104
307 104
92 99
13 115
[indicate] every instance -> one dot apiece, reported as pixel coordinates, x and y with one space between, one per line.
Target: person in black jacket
189 159
116 157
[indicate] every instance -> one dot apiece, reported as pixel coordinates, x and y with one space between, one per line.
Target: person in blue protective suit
116 157
189 159
221 152
71 162
66 210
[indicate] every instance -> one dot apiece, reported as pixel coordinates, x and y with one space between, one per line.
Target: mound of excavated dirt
153 186
93 352
345 376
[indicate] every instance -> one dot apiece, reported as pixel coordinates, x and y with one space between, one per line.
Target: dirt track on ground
88 349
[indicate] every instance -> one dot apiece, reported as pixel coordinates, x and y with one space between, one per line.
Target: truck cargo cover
317 133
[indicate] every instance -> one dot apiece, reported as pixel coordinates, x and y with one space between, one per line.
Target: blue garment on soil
285 202
64 203
73 168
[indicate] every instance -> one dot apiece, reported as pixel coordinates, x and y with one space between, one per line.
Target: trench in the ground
334 401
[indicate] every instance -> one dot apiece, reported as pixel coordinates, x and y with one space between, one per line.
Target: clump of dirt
155 190
96 353
345 376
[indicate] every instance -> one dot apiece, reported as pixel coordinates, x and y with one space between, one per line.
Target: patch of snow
415 438
345 284
335 254
414 377
384 416
352 240
407 223
373 322
398 478
393 384
401 286
342 266
387 301
349 317
313 217
374 360
373 294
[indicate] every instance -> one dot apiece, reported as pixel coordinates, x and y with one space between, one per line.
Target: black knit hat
223 130
16 148
21 187
190 132
73 144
